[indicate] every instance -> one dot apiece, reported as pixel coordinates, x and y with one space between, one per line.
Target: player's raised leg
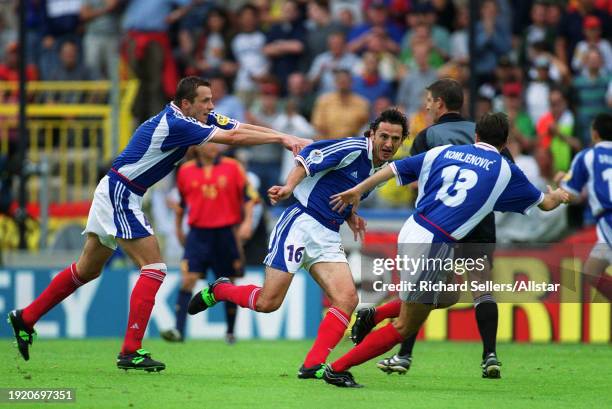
267 298
145 253
88 267
412 316
336 281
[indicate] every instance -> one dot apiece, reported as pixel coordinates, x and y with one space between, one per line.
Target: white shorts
299 240
418 244
603 248
116 212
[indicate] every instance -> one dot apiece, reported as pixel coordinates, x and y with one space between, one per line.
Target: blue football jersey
460 185
332 166
160 142
592 168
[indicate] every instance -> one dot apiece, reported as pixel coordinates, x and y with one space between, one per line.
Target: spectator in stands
35 16
592 35
411 88
592 89
421 34
558 71
521 126
9 71
247 47
8 26
299 90
320 27
290 121
537 226
423 14
537 32
369 84
493 39
149 52
213 49
345 14
9 66
555 131
265 160
102 36
536 95
342 113
286 44
571 28
445 13
377 24
70 68
389 66
226 104
459 48
60 23
321 73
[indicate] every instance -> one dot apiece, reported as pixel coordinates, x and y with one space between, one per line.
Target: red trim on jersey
440 229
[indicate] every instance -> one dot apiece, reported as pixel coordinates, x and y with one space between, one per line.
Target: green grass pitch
262 374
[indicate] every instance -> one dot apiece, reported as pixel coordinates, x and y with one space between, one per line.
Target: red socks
388 310
330 333
243 295
374 344
62 285
141 305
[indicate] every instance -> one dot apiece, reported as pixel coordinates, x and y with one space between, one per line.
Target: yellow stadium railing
71 124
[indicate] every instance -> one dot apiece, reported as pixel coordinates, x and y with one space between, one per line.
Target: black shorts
213 248
480 241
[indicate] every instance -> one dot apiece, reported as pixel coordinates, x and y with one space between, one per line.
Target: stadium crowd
325 68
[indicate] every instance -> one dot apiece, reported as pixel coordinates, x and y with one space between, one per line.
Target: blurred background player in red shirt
215 192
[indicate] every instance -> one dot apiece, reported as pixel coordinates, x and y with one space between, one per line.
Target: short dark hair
603 125
391 116
492 128
449 91
248 7
187 88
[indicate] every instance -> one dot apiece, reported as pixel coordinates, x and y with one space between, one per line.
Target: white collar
173 106
370 148
604 144
486 146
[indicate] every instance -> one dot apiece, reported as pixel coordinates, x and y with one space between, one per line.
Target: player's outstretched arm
554 198
246 136
341 201
278 193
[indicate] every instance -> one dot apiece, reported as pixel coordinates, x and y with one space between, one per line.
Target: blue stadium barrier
100 308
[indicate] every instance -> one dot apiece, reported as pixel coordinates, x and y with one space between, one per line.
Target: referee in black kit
444 102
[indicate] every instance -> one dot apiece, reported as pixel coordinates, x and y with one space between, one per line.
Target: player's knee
268 304
347 302
88 271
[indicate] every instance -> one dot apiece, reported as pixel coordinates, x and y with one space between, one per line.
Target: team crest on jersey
316 156
222 181
222 119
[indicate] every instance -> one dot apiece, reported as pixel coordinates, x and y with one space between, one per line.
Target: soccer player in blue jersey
458 187
307 234
116 216
592 168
